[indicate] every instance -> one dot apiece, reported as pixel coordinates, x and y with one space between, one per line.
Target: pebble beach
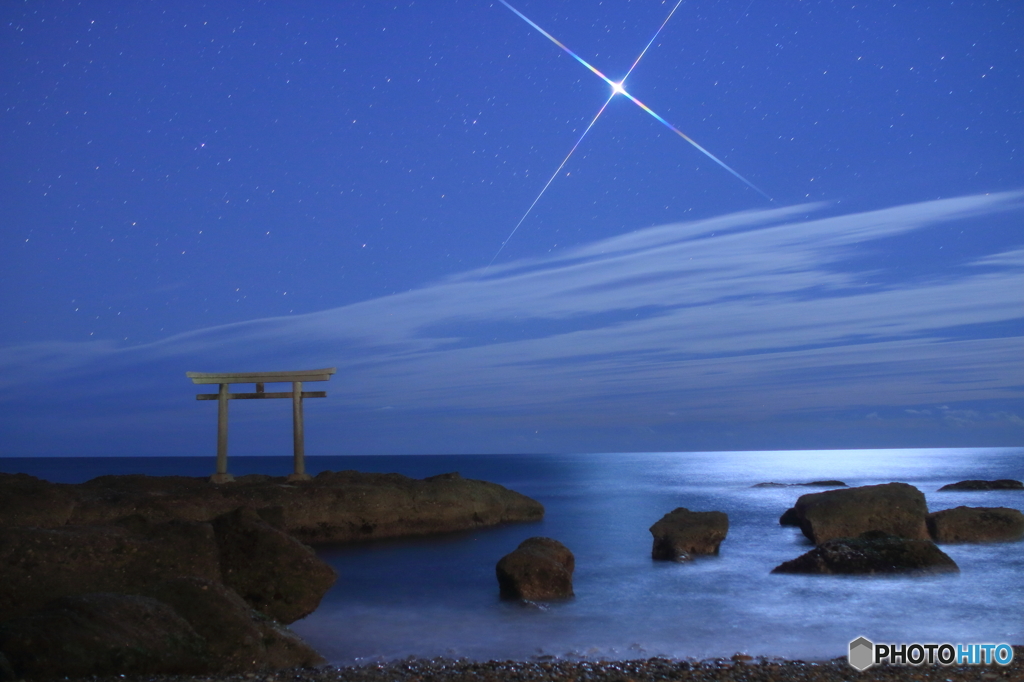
737 669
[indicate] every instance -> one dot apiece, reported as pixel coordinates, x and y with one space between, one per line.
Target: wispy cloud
752 313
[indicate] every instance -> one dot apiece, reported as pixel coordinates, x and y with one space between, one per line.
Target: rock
350 506
181 538
102 634
7 673
976 524
346 506
871 553
895 508
158 499
789 518
238 639
272 571
38 565
29 501
681 533
539 569
812 484
1000 484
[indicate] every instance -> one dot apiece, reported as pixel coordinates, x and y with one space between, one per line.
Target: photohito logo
864 653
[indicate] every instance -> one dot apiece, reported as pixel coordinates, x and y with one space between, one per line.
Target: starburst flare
618 88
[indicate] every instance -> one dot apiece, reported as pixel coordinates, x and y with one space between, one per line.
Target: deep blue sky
238 186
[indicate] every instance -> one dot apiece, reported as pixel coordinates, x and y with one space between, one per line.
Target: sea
438 595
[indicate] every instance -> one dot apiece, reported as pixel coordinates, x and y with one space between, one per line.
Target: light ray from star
618 88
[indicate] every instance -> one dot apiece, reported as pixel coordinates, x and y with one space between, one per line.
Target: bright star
617 89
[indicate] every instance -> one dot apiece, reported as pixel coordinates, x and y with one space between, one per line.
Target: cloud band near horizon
736 319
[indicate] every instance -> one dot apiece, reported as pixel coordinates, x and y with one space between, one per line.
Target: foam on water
438 596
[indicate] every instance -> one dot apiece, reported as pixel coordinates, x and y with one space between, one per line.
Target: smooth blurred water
438 595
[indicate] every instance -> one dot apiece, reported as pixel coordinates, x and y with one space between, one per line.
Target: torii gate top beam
261 377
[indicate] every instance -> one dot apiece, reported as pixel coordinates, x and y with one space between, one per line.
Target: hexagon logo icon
862 653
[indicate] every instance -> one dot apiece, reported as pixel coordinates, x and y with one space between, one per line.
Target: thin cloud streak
753 313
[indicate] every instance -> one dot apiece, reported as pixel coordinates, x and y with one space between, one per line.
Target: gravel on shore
737 669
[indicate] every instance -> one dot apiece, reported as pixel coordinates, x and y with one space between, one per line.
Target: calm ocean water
438 596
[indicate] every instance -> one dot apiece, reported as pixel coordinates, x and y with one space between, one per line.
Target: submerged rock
682 533
895 508
538 569
1000 484
976 524
871 553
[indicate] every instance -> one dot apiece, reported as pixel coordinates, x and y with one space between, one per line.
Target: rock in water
812 484
976 524
682 533
274 572
789 518
1000 484
872 553
102 634
538 569
350 506
895 508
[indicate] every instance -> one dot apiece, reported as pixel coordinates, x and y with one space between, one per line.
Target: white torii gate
260 378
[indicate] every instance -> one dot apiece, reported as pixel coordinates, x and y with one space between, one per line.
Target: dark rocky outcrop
682 533
874 552
174 574
274 572
789 518
538 569
102 634
29 501
812 484
346 506
38 565
271 570
976 524
237 638
7 673
895 508
1000 484
185 625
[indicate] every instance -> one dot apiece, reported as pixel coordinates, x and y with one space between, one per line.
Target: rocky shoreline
739 668
333 507
137 574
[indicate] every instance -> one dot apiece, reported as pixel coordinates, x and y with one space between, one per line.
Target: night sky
235 186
